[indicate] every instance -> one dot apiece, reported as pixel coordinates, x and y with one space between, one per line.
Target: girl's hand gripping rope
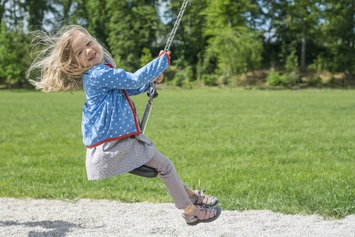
161 77
167 53
152 93
152 90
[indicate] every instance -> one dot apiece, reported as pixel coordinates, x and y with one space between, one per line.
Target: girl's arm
115 78
138 91
146 87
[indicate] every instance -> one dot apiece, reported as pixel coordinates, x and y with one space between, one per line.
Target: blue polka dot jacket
108 113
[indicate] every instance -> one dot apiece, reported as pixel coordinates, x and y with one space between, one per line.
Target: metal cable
152 91
176 25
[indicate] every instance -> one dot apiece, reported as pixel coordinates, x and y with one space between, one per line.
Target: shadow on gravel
55 228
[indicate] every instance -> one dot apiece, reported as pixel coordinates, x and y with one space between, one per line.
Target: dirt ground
104 218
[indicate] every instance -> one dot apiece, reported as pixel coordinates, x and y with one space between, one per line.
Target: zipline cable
152 93
176 25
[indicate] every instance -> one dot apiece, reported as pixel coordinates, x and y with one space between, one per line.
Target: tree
36 10
189 44
95 16
2 9
131 26
232 45
290 24
339 36
14 55
13 13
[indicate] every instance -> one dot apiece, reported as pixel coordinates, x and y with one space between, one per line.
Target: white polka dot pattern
108 113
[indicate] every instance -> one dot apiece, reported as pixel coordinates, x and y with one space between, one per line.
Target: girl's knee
162 164
167 167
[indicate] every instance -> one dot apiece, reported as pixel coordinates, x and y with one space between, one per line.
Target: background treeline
264 43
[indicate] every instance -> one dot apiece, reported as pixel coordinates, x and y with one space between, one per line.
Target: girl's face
87 51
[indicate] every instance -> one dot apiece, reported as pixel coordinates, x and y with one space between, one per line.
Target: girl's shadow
55 228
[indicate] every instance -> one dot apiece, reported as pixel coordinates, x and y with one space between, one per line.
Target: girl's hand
167 53
159 79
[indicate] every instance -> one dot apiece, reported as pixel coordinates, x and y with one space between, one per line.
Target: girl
110 126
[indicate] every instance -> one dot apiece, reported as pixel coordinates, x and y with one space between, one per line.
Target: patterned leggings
169 176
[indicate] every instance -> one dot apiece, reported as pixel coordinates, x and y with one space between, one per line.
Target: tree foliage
217 42
339 28
13 62
234 47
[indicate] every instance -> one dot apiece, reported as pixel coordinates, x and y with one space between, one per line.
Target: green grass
286 151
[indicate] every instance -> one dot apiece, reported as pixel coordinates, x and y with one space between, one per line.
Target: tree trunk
303 48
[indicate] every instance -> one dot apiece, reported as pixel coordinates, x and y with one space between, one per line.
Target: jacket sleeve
116 78
138 91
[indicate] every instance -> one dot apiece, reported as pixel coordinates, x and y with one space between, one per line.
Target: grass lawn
286 151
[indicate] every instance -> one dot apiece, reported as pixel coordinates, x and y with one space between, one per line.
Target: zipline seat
145 171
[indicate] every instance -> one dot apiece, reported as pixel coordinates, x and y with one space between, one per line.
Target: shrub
210 79
277 79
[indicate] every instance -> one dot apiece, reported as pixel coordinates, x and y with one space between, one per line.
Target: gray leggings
169 176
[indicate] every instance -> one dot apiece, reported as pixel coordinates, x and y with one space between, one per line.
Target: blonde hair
59 69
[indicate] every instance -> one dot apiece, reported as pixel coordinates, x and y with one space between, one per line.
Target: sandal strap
202 199
204 213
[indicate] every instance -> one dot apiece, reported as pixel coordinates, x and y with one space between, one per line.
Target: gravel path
103 218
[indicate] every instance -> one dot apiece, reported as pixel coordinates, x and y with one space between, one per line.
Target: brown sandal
203 214
202 199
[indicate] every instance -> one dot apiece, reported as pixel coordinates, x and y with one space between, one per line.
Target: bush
210 79
14 56
277 79
183 77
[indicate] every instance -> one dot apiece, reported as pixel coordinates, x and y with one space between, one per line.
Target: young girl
110 126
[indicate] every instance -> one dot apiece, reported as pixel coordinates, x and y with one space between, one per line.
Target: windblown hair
59 68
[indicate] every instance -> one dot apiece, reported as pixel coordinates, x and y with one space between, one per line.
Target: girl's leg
167 173
179 192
